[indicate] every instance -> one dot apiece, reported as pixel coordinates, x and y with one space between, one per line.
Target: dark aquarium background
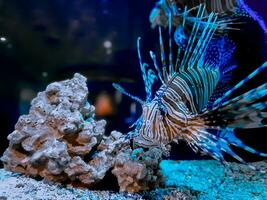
43 41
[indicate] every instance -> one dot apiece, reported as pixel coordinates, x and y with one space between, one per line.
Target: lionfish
182 109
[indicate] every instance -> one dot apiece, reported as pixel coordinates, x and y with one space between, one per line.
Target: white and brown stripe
172 113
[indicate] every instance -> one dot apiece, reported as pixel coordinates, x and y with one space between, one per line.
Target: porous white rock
59 140
57 134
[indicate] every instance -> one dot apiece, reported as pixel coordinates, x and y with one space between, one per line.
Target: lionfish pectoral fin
245 111
207 143
229 135
137 124
217 142
132 135
121 90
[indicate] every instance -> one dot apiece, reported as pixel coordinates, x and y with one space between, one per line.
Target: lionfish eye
145 107
162 109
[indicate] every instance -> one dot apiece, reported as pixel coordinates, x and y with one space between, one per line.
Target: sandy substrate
214 181
16 187
204 180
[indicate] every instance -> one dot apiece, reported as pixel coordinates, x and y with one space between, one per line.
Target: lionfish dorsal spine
148 75
203 42
171 69
162 56
192 38
153 57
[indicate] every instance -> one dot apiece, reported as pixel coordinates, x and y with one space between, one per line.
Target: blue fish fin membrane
221 88
226 73
245 111
121 90
216 142
219 52
192 48
218 55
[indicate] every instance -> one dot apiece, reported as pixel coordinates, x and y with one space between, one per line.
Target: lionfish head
149 127
161 121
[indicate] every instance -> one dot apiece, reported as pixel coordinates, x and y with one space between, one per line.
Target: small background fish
222 8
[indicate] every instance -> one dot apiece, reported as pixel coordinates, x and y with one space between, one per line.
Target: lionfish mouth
139 140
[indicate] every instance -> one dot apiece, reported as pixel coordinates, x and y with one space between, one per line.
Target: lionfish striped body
172 113
179 109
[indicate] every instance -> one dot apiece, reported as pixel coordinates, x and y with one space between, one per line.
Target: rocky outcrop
140 171
60 140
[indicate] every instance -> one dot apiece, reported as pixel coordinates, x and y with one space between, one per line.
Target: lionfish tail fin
217 142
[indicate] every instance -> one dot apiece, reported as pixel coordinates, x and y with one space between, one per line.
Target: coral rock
139 171
59 132
61 141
